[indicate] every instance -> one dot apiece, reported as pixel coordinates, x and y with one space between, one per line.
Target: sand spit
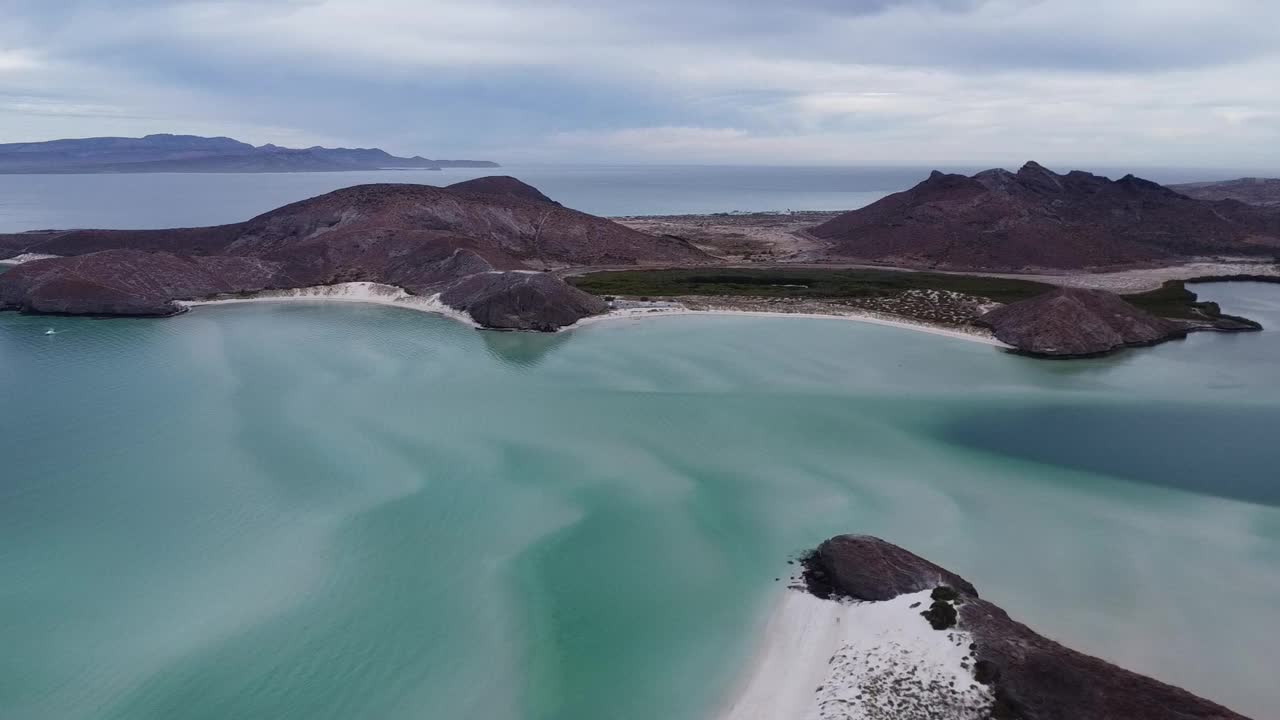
827 659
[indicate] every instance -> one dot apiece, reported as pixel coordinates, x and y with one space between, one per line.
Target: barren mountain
1038 219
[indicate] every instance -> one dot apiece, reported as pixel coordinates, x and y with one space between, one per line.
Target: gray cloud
1158 81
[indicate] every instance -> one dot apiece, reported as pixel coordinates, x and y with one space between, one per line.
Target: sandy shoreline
824 659
391 296
357 292
905 324
25 258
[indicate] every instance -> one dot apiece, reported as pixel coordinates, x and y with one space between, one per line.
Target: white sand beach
390 295
678 311
361 292
25 258
824 659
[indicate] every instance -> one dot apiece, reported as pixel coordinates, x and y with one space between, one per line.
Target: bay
336 511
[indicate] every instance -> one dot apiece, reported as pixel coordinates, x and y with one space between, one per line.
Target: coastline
902 323
825 659
392 296
356 292
26 258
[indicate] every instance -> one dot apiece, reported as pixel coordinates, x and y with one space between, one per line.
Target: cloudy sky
1190 83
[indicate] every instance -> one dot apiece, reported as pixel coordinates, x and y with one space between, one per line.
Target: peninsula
194 154
985 256
870 630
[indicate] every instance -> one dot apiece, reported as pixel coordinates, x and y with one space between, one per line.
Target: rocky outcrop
421 238
129 282
861 567
1073 322
1038 219
503 186
521 301
1032 677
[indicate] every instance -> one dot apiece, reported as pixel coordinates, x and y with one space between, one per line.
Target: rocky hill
502 185
1029 677
195 154
1264 192
1073 322
1077 322
1037 219
421 238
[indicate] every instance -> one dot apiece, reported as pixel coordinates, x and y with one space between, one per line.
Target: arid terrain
740 237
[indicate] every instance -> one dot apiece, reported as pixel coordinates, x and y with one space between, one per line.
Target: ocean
330 511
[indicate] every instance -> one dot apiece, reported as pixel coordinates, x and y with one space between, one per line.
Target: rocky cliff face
1038 219
421 238
1072 322
1032 677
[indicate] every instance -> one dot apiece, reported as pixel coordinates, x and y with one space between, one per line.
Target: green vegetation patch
799 283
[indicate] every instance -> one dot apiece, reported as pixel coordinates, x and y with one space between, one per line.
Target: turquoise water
343 511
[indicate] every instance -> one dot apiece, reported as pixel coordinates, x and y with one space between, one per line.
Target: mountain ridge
1034 219
198 154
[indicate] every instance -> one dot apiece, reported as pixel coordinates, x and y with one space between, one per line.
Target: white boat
50 331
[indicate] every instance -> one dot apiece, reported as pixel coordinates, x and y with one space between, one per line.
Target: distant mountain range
194 154
1252 190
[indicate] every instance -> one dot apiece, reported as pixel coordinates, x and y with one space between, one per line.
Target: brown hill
418 237
1073 322
1038 219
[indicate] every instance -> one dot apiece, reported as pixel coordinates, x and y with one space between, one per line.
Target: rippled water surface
338 511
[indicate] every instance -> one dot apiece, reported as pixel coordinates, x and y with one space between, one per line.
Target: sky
1079 83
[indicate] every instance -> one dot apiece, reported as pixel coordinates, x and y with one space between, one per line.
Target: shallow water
336 511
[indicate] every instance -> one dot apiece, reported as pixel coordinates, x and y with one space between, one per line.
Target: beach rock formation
1038 219
1074 322
519 300
1031 677
1264 192
861 567
421 238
